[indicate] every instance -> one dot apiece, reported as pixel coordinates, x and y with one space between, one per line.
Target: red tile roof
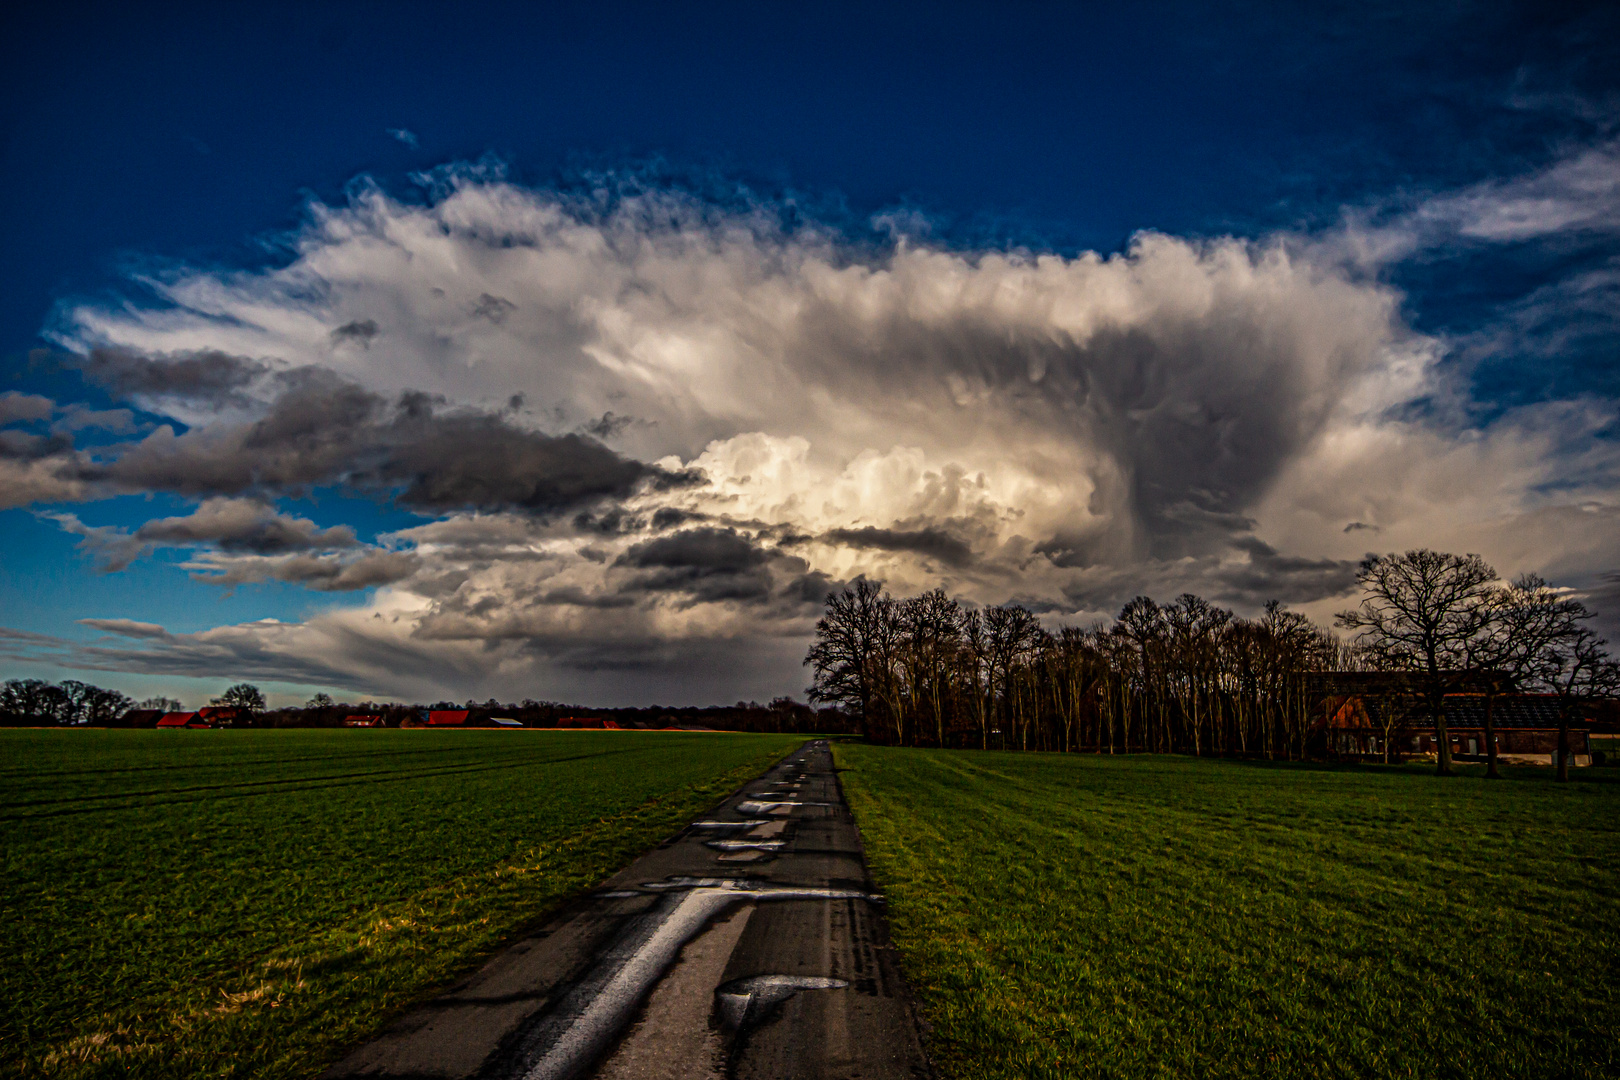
176 719
444 717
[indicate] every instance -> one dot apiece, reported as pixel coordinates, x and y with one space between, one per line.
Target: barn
177 720
1380 726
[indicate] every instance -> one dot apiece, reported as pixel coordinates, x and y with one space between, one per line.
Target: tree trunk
1563 744
1491 771
1442 737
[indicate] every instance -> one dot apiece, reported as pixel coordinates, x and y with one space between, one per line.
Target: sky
576 352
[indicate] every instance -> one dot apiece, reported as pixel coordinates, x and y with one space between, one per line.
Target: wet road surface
749 946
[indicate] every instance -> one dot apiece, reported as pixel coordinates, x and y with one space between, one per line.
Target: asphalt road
750 946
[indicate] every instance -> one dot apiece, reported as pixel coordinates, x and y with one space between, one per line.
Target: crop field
1136 917
228 903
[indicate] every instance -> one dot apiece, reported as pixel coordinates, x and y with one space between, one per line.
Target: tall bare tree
1526 618
932 624
1574 665
1421 613
973 664
844 654
1012 632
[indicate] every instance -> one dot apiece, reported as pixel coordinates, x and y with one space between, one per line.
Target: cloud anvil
641 430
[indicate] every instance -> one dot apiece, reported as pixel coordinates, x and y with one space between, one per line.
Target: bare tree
843 653
973 661
37 699
1422 613
1574 665
103 706
932 625
243 696
1526 617
1011 631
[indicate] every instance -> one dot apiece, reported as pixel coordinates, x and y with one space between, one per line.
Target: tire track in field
129 800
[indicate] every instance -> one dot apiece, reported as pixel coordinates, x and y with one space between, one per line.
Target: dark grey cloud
1269 575
811 590
608 522
1246 583
1602 596
608 425
322 573
704 550
23 408
78 418
709 564
322 429
232 526
207 375
246 527
361 331
669 517
932 542
493 308
26 446
127 628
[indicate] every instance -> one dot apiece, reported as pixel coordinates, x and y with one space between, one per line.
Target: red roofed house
220 715
364 720
447 718
182 720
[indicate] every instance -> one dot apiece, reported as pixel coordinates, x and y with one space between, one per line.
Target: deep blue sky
188 130
192 132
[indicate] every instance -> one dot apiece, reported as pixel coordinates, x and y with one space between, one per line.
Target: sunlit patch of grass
236 904
1067 916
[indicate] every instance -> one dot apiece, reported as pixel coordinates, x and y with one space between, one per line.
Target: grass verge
1065 916
232 904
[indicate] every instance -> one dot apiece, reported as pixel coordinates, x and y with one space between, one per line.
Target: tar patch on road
751 947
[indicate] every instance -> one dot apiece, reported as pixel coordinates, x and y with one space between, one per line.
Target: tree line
71 702
35 702
67 702
1190 676
1187 676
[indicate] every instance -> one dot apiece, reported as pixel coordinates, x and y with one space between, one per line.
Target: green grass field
1135 917
220 903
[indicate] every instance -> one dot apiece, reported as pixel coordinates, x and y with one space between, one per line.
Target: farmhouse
1375 726
141 718
469 718
184 720
364 720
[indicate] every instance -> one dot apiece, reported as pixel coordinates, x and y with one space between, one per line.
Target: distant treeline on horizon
38 703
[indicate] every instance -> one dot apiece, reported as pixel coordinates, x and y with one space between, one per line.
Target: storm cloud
1226 416
320 429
